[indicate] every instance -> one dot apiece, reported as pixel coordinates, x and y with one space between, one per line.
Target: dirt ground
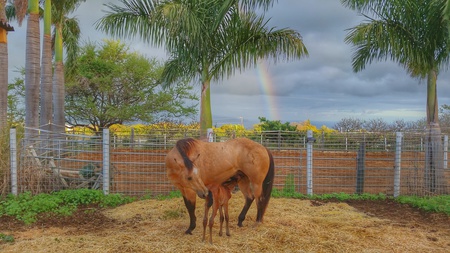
290 225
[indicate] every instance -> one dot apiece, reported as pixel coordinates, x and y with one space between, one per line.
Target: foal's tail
267 188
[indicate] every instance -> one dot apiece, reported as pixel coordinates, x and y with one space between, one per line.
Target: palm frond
248 39
71 35
410 33
131 20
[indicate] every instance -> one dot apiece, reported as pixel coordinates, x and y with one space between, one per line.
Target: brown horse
218 198
193 164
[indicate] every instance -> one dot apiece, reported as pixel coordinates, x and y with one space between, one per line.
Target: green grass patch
438 204
26 207
6 238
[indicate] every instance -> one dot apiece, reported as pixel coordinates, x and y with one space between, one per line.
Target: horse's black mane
183 147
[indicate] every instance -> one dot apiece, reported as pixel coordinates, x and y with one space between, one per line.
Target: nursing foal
218 198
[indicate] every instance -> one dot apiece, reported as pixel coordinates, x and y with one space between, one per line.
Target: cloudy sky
322 88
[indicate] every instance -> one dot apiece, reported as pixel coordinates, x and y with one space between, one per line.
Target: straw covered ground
290 225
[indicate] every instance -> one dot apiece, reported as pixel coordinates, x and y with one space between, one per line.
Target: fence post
279 140
106 161
398 161
210 134
360 167
132 138
13 159
445 151
309 162
165 141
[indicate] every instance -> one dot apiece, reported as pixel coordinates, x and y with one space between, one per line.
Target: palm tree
46 70
206 40
32 64
413 34
67 33
4 29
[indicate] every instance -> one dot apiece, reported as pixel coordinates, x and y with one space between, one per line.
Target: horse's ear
175 159
193 160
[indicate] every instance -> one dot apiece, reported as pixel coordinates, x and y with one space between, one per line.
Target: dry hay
290 226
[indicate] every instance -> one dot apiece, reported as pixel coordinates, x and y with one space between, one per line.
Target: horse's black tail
267 189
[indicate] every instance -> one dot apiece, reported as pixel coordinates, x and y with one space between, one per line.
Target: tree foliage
111 85
271 125
16 96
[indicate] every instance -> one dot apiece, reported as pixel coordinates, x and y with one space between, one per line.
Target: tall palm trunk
3 79
3 67
32 68
46 68
58 83
434 168
205 109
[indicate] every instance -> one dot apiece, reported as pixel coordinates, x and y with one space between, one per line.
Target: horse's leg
244 186
241 218
257 191
227 218
208 203
267 185
189 201
221 219
213 215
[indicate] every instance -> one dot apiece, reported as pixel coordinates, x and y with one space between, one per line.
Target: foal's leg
213 215
225 208
221 219
208 202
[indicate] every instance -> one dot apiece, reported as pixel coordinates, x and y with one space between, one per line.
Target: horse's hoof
228 234
188 232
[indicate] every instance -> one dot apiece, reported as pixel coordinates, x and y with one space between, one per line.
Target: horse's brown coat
193 165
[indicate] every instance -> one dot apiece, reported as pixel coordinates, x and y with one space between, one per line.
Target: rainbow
268 90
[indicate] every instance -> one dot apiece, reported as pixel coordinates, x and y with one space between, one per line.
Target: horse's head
184 177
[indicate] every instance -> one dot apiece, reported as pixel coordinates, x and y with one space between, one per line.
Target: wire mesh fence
133 164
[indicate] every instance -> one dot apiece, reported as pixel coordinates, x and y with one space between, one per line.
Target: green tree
205 40
16 97
415 35
111 85
275 125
